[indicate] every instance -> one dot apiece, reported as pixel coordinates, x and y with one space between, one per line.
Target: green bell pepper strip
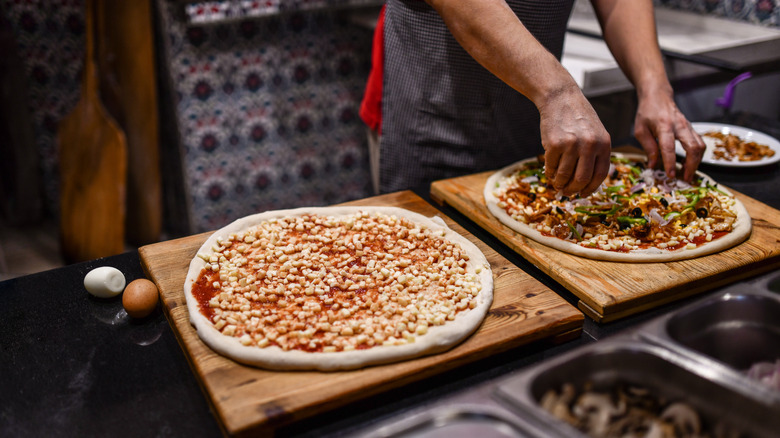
612 189
671 214
631 220
532 171
596 210
694 200
574 230
716 189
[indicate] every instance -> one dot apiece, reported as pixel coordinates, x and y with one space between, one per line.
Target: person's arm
577 146
629 30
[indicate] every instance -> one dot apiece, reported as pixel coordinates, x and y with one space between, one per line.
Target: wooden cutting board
613 290
250 400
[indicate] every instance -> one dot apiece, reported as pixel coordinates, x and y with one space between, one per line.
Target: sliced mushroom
632 423
596 409
558 405
685 420
659 429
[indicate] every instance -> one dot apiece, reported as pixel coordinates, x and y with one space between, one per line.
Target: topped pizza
336 288
637 215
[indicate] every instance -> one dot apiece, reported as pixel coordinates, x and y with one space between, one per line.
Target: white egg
104 282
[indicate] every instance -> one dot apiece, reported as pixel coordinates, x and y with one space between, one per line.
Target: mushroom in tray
683 418
628 411
558 404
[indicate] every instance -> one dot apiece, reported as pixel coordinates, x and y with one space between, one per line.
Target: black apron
444 115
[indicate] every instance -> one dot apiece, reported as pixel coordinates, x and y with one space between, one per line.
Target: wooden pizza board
250 400
613 290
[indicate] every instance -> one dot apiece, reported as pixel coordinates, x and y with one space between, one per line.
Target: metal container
726 334
629 360
695 355
472 413
770 283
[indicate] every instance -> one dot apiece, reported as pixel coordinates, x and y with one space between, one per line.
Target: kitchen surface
89 368
694 343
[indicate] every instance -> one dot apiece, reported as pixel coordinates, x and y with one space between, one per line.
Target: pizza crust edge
741 231
438 338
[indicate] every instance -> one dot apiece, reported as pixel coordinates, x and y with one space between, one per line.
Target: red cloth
371 106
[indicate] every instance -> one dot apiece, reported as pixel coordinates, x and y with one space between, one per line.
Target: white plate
741 132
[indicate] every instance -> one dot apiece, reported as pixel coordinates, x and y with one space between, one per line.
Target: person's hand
576 145
658 124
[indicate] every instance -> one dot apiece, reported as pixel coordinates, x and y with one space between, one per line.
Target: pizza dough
431 298
498 181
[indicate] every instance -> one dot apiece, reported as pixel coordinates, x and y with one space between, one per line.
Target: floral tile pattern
267 112
265 95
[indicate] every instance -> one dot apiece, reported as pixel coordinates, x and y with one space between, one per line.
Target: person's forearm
629 30
575 142
500 43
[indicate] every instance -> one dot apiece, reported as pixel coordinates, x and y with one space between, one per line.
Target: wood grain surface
128 89
251 400
93 169
612 290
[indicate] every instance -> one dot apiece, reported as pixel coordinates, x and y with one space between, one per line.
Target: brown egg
140 298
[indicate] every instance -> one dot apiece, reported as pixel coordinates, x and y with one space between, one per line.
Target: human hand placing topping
657 125
577 147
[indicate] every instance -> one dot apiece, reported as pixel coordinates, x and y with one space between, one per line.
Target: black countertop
74 365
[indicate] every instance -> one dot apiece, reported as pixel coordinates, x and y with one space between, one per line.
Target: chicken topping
635 208
731 147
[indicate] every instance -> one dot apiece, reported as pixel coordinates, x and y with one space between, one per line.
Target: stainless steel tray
725 334
629 360
695 354
471 414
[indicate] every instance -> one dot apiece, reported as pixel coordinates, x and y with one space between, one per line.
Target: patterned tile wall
266 108
267 111
50 41
265 105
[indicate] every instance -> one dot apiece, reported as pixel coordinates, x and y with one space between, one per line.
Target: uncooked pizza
637 215
336 288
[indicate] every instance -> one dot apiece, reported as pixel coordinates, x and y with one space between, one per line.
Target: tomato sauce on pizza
322 284
637 214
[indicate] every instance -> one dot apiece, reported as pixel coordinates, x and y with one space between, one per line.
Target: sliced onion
656 217
606 203
530 179
638 187
681 185
648 176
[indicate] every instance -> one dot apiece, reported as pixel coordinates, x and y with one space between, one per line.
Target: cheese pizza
636 215
336 288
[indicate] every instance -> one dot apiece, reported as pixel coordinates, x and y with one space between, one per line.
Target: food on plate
625 410
140 298
104 282
731 147
336 288
636 215
766 372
